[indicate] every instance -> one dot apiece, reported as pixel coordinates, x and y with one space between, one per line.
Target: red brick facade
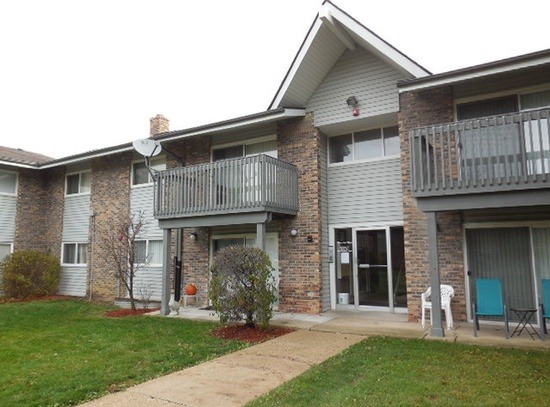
39 217
110 201
299 143
421 109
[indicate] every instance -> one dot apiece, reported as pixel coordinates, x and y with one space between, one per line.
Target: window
79 183
5 250
363 145
487 107
141 174
268 147
8 182
148 251
75 253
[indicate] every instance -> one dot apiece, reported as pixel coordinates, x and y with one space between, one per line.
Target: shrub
242 286
29 273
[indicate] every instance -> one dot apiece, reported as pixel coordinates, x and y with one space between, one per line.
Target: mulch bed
248 334
128 312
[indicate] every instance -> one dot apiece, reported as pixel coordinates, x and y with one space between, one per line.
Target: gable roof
332 32
21 158
533 59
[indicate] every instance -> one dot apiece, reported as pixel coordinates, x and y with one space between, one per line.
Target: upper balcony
487 155
237 186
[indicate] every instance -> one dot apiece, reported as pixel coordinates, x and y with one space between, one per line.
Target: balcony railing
244 185
498 153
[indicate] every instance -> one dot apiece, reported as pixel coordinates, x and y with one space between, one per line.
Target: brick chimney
158 124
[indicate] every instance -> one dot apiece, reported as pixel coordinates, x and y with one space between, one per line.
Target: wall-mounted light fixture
353 103
193 236
294 232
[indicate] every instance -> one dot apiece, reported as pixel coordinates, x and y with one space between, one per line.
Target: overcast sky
77 75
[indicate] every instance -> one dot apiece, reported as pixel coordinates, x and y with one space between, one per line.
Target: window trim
16 183
363 160
77 244
79 173
147 254
150 181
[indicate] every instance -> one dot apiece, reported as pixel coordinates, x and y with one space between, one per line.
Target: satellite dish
147 147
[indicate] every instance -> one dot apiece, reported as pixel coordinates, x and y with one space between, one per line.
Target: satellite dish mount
148 148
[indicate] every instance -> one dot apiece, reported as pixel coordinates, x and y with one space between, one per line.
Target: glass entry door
370 267
373 283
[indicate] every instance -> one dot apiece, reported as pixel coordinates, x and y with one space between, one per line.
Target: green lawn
65 352
400 372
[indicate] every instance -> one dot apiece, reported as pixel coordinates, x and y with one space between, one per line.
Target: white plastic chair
447 292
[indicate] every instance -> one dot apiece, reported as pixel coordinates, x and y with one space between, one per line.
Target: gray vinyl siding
372 81
148 280
148 284
365 192
76 218
325 261
8 207
76 229
141 200
74 280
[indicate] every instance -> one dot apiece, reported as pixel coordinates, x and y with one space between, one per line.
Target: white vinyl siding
359 73
76 230
365 192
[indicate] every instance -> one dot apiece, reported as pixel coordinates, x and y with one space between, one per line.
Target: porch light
193 236
352 101
294 232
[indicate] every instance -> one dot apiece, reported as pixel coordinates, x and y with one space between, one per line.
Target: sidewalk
237 378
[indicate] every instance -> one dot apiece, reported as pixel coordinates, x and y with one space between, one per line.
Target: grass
58 353
400 372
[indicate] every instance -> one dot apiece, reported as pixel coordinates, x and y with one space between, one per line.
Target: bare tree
128 257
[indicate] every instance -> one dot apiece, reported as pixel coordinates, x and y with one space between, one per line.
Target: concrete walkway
237 378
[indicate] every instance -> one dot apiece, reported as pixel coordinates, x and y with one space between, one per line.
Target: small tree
125 253
29 273
242 286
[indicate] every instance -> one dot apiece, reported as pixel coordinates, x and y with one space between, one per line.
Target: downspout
90 254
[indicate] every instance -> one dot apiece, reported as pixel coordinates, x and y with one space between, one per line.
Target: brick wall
39 218
298 142
420 109
110 204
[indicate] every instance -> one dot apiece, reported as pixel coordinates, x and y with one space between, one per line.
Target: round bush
242 285
29 273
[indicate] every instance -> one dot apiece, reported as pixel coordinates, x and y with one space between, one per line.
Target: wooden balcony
237 186
487 155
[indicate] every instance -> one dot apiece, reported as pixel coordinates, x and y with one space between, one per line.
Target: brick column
110 204
420 109
299 143
39 217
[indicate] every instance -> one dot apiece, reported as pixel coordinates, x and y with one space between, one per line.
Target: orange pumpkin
190 289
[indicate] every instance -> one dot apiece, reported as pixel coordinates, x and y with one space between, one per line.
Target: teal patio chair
544 312
490 302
